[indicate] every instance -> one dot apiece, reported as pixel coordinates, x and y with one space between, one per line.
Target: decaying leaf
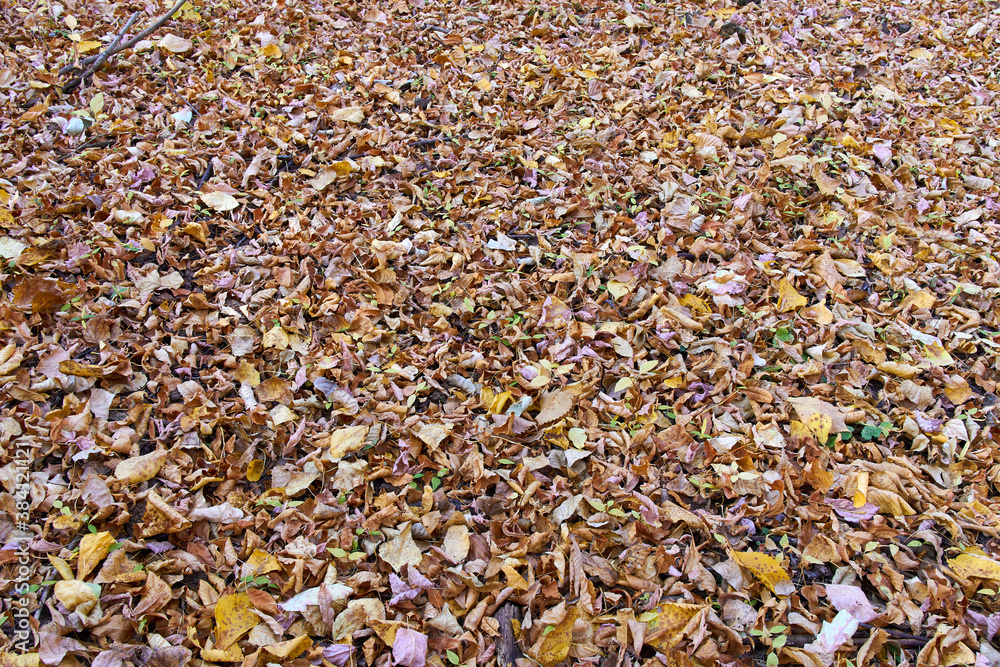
767 569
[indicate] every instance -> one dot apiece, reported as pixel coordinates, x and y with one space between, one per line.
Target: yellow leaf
586 73
767 569
346 440
905 371
343 167
271 51
61 566
861 495
820 426
84 47
618 289
290 649
800 429
484 85
937 356
246 372
663 631
973 565
788 298
19 660
555 644
695 305
234 616
93 548
514 578
276 338
386 630
261 562
74 593
197 232
254 470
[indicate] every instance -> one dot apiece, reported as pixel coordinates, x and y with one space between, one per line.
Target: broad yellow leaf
343 441
665 627
93 548
766 568
555 644
11 659
254 470
246 372
234 616
276 338
788 298
820 425
74 593
271 51
974 564
87 46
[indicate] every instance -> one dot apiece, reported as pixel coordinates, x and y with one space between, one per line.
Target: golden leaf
271 51
975 564
555 644
695 304
74 593
275 389
346 440
246 372
820 425
788 298
70 367
20 660
254 470
861 494
261 562
663 631
234 616
93 548
290 649
276 338
767 569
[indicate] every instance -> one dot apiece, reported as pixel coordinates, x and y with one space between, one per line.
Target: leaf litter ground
494 333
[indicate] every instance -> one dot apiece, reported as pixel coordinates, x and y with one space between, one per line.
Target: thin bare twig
156 25
74 83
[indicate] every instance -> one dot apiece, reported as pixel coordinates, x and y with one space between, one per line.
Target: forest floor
500 333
